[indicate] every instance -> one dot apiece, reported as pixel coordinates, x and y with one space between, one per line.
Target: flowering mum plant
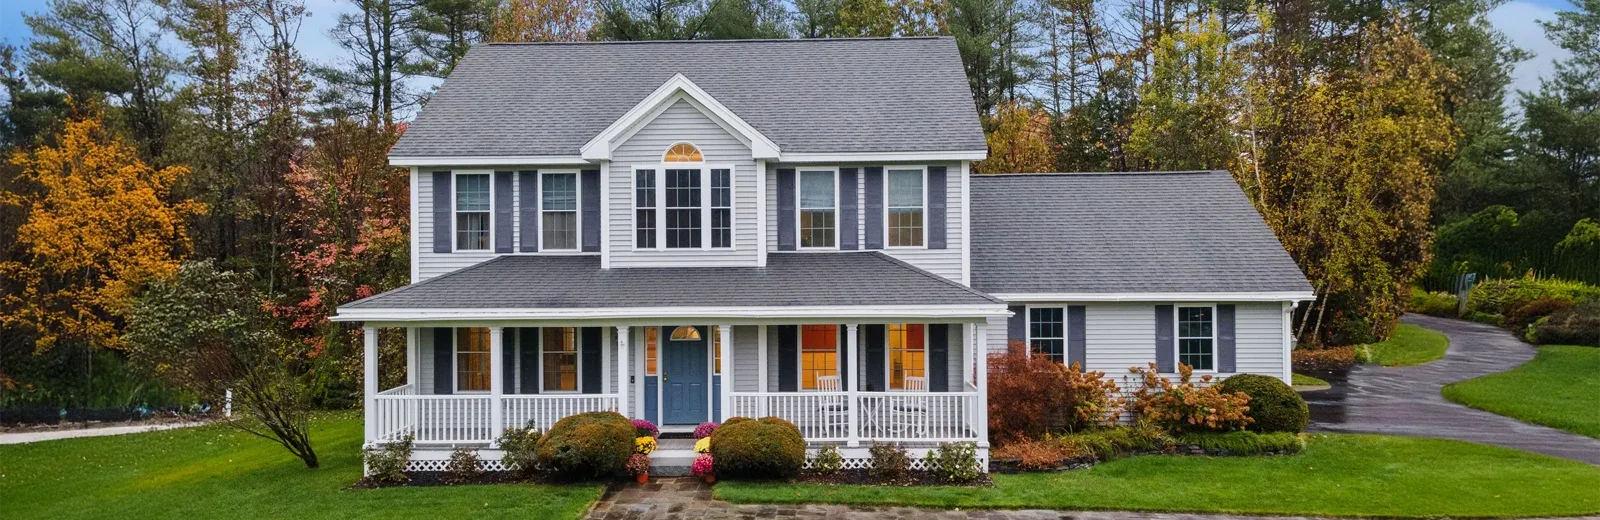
702 466
703 445
643 428
644 445
704 430
638 464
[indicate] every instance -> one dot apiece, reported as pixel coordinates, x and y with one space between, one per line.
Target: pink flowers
704 430
643 428
703 465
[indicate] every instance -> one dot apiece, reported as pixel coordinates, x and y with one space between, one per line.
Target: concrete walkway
50 435
1406 400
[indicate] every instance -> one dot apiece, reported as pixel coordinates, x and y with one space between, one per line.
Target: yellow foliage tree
98 224
541 21
1020 142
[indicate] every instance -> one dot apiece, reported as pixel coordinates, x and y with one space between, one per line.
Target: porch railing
461 419
542 411
881 416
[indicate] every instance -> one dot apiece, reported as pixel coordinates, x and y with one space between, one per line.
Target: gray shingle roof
1123 232
577 282
831 95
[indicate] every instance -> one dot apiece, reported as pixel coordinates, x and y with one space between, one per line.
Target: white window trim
925 213
661 204
799 208
538 191
800 354
455 212
1066 346
577 350
455 362
1177 340
888 351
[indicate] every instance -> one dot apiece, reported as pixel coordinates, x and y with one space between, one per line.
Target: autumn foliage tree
1020 141
99 222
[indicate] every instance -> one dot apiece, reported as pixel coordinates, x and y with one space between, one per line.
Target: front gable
677 90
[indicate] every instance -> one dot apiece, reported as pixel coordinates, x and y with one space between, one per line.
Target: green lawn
1560 388
1305 380
1410 345
1337 475
217 472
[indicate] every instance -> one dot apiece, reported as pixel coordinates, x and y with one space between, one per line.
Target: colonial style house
689 231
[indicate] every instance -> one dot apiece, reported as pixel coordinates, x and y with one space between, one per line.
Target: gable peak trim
600 147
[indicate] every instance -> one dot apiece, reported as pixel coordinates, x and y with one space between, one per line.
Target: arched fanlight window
685 333
683 152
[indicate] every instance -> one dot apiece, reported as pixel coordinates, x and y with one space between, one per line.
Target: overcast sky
1518 20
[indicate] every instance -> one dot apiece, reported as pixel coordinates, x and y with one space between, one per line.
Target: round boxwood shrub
758 449
587 445
1274 405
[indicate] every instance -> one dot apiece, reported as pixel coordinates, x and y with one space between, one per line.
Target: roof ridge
924 272
752 40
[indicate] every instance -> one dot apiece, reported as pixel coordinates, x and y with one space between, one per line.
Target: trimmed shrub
388 464
758 449
1504 296
1438 303
1037 455
889 462
1032 396
1274 406
827 461
1324 359
592 444
1243 443
463 466
1532 311
519 449
1579 325
956 462
1111 443
1185 406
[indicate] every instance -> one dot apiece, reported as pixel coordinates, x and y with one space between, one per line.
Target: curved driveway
1406 400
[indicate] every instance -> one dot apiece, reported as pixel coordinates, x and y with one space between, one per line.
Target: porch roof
862 283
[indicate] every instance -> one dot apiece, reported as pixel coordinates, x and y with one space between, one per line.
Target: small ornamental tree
208 331
1030 396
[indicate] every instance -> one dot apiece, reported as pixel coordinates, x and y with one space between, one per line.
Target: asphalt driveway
1406 400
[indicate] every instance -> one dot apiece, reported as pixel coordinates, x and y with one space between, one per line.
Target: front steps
672 457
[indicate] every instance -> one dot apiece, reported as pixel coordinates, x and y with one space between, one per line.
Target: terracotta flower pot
710 479
642 478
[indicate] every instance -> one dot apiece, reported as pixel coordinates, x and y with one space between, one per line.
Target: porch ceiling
800 284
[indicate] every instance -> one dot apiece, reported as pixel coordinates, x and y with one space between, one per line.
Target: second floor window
817 208
472 212
683 208
644 204
721 208
559 208
905 207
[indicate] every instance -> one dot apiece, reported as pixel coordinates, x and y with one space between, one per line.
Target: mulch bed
863 478
441 478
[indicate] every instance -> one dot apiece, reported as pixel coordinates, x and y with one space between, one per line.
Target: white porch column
369 381
605 362
983 386
413 357
969 342
497 388
852 404
726 332
625 373
761 370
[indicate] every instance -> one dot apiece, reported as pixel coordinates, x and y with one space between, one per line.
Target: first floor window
1195 338
472 212
472 360
905 208
1047 333
559 209
819 353
907 355
818 206
559 358
716 347
644 203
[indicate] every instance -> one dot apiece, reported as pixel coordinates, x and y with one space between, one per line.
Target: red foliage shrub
1032 396
1037 455
1186 407
1324 359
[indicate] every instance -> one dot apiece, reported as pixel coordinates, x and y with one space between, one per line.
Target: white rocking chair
910 413
833 410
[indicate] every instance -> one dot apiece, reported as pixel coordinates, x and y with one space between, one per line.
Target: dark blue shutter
939 357
528 191
590 207
1227 339
788 358
590 350
844 357
1166 360
1017 330
443 202
874 188
876 356
787 237
508 357
848 209
502 212
443 361
937 212
529 345
1077 337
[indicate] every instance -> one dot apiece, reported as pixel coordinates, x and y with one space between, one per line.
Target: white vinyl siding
746 358
681 122
943 262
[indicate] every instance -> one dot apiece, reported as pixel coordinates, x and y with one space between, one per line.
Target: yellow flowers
703 445
644 445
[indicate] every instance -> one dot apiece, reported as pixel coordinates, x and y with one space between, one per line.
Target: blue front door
683 375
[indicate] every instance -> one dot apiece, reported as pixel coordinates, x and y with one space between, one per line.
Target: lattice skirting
424 459
860 458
